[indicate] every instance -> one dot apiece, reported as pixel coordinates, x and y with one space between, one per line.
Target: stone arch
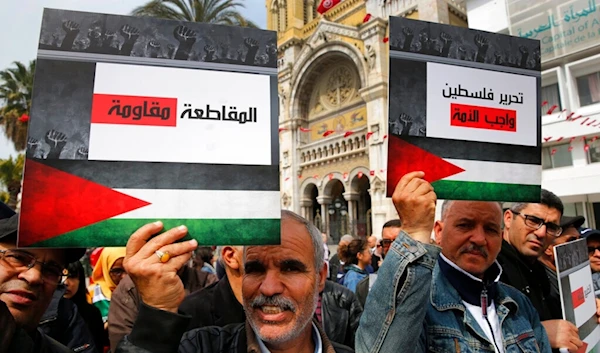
320 59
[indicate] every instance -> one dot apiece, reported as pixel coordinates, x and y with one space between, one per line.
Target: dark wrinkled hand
481 41
158 284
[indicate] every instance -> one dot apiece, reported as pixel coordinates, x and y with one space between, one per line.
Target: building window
573 209
560 158
551 94
588 87
594 151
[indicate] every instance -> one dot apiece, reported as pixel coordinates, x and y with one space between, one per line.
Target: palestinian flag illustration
121 137
470 123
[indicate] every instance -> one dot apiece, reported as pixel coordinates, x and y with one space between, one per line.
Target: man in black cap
570 232
28 279
592 236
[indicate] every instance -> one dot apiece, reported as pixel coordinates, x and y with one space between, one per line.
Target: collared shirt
315 335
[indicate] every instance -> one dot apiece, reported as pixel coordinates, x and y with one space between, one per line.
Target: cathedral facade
333 96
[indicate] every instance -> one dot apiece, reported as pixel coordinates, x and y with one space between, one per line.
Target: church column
352 198
306 207
325 201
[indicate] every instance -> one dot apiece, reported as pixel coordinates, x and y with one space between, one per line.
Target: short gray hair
315 237
447 203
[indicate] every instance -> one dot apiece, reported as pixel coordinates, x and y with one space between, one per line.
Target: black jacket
15 339
62 322
530 279
362 290
340 312
214 305
234 338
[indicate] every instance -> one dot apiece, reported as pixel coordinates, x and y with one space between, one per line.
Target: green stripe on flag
471 190
116 232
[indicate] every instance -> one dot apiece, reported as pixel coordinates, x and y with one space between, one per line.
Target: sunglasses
592 250
386 242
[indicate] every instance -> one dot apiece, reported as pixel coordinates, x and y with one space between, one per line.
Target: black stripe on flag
185 176
477 151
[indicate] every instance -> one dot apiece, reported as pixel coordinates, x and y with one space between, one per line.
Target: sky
24 17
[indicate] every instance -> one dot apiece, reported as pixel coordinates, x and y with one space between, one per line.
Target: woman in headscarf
107 274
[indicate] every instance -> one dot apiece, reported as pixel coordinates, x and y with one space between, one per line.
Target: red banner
578 297
134 110
483 117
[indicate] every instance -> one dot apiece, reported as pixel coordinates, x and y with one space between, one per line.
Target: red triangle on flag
405 158
56 202
325 5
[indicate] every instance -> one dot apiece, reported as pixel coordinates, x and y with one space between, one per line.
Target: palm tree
209 11
16 85
11 173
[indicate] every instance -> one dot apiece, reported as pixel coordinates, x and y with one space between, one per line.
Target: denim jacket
413 308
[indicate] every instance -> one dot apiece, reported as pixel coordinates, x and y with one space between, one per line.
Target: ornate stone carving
370 56
335 89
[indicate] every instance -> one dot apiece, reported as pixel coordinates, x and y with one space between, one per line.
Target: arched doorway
337 210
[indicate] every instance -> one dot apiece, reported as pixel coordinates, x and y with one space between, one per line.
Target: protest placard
577 291
136 119
464 107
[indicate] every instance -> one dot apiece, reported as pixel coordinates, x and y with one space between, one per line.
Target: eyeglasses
378 245
592 250
386 242
117 271
51 272
552 229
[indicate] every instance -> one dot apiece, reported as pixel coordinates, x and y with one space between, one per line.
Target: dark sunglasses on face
592 250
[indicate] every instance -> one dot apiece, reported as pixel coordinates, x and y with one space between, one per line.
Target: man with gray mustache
428 299
280 289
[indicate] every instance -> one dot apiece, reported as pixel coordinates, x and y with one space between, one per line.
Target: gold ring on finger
163 256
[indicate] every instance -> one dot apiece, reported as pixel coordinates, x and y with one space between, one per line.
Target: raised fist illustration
224 48
110 43
210 51
483 45
252 45
71 29
498 58
32 147
153 48
446 42
524 56
82 152
171 51
272 54
57 141
422 131
186 38
131 35
406 122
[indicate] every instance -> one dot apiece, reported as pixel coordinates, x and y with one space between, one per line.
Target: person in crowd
280 289
570 232
449 300
203 259
529 228
28 280
74 282
126 300
336 265
356 256
372 240
106 275
389 233
592 237
325 249
338 311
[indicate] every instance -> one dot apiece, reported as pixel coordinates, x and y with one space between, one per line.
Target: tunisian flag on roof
325 5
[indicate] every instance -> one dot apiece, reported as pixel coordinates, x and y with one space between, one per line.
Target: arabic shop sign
562 27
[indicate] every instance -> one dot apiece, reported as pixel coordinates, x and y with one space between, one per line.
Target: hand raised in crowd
414 200
156 278
562 334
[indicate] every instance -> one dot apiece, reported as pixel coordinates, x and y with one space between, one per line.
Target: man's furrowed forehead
547 213
472 210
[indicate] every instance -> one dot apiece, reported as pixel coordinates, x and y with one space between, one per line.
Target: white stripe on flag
497 172
194 204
